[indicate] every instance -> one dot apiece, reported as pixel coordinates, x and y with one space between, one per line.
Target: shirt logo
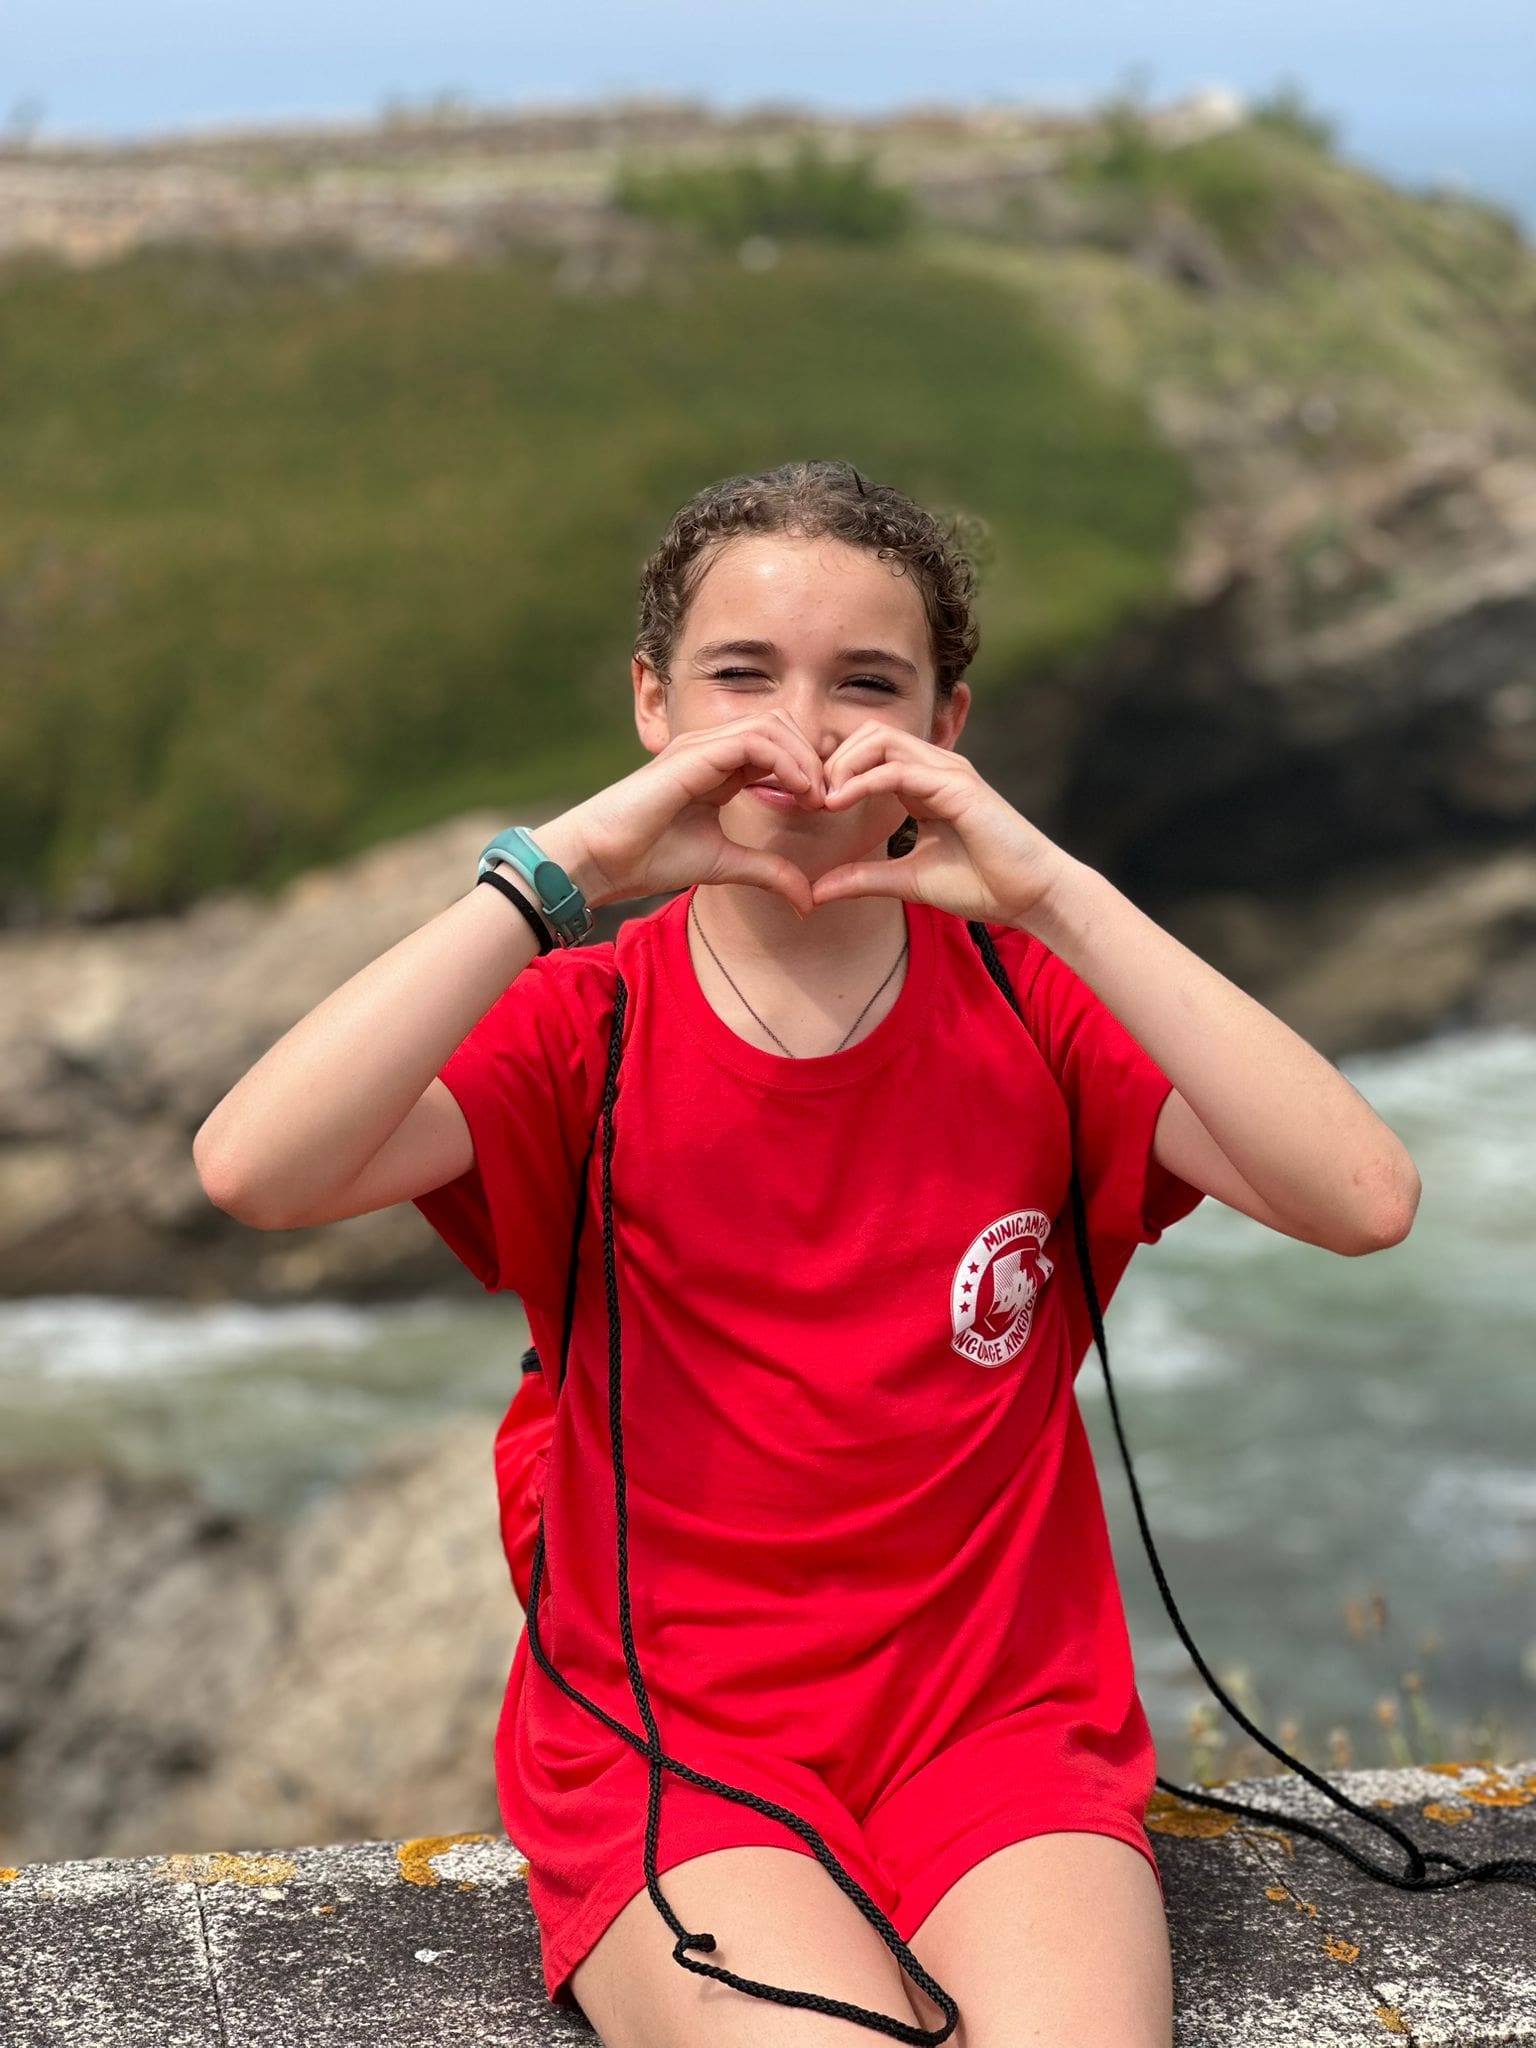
992 1296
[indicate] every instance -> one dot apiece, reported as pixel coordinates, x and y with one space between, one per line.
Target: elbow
1406 1207
226 1191
1391 1221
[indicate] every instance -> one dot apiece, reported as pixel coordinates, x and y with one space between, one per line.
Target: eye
870 682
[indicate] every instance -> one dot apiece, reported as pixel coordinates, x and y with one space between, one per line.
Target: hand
975 854
659 828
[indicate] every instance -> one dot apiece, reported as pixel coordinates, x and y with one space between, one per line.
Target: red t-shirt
863 1514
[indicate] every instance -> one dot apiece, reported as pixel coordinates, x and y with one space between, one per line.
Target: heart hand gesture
975 854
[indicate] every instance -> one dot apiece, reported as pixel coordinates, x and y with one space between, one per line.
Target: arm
290 1142
1257 1117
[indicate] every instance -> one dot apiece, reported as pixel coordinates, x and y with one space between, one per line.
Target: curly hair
812 499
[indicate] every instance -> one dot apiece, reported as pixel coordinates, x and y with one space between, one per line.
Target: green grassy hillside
298 555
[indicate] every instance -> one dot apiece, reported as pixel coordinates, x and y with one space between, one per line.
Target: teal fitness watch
565 908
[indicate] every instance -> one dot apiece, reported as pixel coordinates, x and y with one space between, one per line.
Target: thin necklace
693 910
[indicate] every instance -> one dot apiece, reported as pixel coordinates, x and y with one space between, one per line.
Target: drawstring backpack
1507 1870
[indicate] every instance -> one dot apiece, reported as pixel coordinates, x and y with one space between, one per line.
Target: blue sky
1423 91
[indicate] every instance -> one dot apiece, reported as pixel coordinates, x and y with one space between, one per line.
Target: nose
821 718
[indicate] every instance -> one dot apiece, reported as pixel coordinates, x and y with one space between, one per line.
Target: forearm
1292 1125
318 1105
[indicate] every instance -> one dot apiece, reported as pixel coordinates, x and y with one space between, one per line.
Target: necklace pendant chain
694 913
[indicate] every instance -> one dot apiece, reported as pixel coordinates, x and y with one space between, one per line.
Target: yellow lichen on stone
415 1856
220 1866
1166 1814
1342 1951
1497 1792
1277 1892
9 1876
1447 1816
1391 2019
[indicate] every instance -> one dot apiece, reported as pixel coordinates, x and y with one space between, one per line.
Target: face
812 600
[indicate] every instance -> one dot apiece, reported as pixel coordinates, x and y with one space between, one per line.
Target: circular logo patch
992 1296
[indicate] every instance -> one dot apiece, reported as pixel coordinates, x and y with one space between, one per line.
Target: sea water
1337 1456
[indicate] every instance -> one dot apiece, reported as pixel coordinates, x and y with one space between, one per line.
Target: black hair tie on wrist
540 929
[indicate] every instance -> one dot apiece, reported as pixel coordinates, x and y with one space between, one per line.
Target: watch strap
565 908
515 895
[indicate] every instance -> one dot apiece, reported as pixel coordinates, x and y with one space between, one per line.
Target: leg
1057 1941
777 1918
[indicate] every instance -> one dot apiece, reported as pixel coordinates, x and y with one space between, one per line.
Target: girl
870 1581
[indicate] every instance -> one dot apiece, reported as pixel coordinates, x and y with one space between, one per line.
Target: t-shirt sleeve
1114 1091
529 1080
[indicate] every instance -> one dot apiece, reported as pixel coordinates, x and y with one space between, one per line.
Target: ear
949 718
651 693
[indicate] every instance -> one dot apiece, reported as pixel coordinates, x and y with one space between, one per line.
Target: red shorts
912 1846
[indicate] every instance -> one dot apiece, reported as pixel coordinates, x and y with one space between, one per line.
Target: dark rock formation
170 1674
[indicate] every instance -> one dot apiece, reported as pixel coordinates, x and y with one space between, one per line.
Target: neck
753 926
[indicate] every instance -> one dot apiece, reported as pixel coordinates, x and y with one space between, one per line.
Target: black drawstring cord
1502 1869
650 1747
1511 1870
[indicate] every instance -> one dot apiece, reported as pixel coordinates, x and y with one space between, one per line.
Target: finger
863 878
732 756
914 781
789 748
793 759
764 870
873 740
871 729
805 753
771 755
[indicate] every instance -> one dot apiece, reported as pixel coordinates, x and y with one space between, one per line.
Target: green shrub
1285 110
812 196
1229 182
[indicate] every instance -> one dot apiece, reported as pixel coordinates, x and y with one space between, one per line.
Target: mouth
775 793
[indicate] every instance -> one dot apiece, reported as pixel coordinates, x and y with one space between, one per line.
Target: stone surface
1276 1937
337 1674
1280 1939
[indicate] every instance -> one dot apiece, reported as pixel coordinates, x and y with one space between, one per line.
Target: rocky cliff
1318 769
